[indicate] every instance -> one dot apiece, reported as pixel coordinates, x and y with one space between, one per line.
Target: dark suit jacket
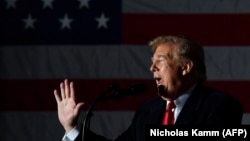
204 107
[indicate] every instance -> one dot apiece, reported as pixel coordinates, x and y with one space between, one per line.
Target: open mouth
158 81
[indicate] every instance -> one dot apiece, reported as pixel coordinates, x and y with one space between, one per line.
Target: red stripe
37 95
208 29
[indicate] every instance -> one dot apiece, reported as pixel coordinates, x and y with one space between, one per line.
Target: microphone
161 90
133 90
114 92
118 93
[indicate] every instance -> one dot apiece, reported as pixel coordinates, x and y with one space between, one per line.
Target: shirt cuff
71 135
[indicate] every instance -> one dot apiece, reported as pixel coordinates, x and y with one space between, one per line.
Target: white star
11 3
47 3
84 3
102 21
29 22
65 22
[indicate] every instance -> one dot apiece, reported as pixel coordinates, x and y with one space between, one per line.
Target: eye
159 59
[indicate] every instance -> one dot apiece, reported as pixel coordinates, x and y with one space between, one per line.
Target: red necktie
169 114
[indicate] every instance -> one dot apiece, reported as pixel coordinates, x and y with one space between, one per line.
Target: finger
72 90
58 98
78 106
62 90
67 91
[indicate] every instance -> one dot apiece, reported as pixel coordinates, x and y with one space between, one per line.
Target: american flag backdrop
98 43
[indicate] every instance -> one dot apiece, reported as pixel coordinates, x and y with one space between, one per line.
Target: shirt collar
181 100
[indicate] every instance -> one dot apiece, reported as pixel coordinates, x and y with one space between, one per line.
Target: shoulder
211 93
214 97
211 106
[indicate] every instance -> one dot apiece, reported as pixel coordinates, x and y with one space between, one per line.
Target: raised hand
68 109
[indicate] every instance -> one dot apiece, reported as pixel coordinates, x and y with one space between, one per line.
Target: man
178 67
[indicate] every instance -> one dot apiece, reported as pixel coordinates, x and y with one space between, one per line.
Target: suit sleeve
90 136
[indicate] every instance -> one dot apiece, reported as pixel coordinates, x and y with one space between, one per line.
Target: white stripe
30 126
75 62
124 61
45 126
246 119
228 63
186 6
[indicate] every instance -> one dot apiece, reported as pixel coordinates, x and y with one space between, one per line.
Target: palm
68 109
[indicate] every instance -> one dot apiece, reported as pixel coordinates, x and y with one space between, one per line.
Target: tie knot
171 105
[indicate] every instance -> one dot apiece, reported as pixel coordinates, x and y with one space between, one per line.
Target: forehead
165 49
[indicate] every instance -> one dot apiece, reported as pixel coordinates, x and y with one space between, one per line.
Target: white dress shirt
180 101
72 135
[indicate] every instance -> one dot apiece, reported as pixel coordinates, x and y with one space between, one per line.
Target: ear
187 67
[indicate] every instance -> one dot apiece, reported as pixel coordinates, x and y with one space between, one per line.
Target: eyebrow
159 56
163 56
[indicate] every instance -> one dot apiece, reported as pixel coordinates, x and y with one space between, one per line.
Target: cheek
166 76
166 70
169 75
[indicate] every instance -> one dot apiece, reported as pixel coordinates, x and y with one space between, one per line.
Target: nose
153 67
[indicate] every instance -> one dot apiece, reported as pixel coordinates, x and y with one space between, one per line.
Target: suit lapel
189 113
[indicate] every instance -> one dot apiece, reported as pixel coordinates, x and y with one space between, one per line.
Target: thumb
79 105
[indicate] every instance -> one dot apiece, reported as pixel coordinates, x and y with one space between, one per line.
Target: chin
163 93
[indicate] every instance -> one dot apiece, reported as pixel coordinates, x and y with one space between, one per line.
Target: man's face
166 71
